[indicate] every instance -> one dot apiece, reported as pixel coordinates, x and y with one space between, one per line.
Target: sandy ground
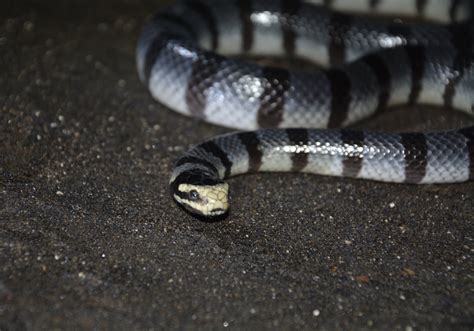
89 237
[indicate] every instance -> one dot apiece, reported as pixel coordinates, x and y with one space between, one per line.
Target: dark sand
89 237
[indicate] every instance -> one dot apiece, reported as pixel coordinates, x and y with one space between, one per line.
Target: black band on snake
185 58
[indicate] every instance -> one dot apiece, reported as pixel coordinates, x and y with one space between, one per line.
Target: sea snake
186 58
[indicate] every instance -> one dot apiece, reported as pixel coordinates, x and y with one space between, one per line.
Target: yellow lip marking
213 199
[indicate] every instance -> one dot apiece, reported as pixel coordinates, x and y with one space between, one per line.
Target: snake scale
186 58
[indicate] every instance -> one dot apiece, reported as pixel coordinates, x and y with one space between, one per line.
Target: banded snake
185 56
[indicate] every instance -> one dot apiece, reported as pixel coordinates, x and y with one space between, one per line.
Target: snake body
183 58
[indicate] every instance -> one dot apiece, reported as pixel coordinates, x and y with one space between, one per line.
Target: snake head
203 200
200 193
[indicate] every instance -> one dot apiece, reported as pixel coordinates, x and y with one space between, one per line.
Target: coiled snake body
182 58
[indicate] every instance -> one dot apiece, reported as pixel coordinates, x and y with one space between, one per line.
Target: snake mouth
214 215
189 209
197 210
217 212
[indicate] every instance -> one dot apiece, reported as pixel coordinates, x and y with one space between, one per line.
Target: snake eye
193 195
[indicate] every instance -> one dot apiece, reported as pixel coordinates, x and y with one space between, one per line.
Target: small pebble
28 26
316 312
